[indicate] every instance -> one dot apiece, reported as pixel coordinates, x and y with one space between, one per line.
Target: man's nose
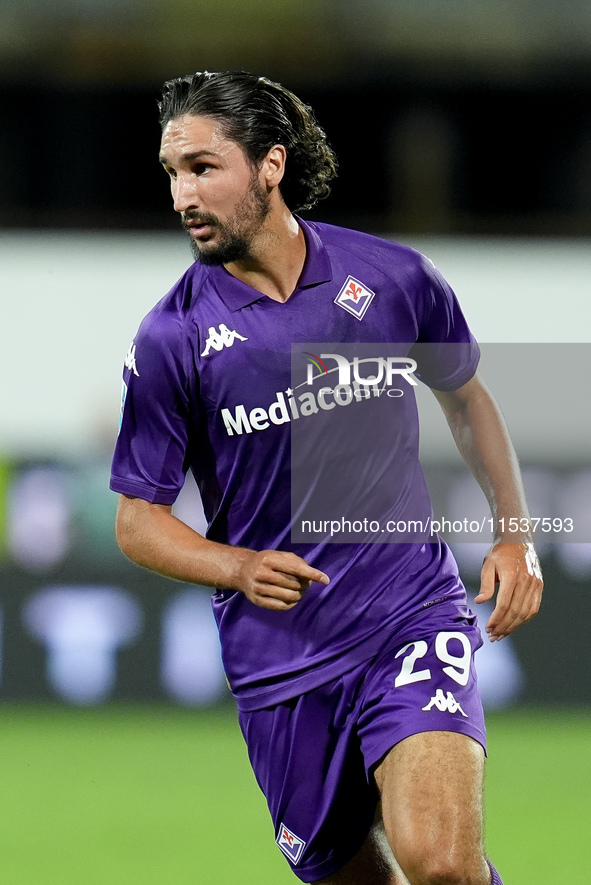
184 193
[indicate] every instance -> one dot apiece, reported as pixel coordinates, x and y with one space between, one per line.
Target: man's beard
235 236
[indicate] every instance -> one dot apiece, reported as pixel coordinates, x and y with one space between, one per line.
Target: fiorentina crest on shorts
354 297
290 844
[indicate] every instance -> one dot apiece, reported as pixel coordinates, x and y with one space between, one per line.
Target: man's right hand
277 580
152 536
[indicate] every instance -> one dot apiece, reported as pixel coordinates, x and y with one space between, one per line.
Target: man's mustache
189 219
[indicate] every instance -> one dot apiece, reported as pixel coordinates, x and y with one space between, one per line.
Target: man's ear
273 166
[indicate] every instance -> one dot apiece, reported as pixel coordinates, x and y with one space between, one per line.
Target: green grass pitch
143 796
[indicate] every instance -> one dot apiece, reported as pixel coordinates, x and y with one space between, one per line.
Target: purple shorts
313 755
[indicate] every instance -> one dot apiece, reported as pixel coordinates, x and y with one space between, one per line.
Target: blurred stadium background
463 129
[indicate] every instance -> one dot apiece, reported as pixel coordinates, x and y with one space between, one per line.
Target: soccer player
351 663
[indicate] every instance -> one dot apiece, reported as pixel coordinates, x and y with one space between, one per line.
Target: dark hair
257 114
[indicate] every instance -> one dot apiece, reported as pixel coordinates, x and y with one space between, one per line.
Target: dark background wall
446 116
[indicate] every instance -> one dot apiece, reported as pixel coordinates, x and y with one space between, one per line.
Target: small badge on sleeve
123 398
290 844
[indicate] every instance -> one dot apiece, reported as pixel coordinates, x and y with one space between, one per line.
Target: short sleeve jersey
208 388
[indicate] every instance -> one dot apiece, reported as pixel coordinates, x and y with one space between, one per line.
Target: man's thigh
431 786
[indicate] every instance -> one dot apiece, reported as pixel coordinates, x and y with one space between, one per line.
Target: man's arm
482 438
151 536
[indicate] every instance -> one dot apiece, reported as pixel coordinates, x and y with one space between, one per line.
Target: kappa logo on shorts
290 844
446 703
354 297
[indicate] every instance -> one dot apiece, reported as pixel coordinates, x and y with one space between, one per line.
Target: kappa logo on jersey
130 360
224 338
290 844
446 703
354 297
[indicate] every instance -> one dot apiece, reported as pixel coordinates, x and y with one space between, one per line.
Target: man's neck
277 258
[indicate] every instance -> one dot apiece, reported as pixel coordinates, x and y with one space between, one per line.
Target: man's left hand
515 568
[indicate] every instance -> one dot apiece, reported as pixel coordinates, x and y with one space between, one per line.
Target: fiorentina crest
290 844
354 297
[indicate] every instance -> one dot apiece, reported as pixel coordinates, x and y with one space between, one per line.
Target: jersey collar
236 294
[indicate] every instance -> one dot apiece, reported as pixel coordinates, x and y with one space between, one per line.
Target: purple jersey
208 387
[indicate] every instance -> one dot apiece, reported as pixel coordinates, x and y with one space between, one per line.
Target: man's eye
170 171
202 168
